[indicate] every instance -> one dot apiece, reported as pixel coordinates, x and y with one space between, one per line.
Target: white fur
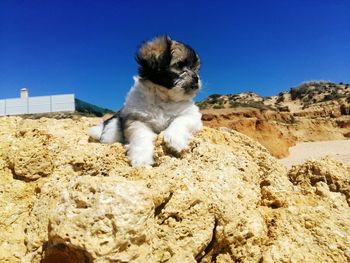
141 139
109 133
148 110
96 131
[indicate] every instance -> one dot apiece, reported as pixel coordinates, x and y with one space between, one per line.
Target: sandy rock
29 156
106 219
324 173
224 199
15 200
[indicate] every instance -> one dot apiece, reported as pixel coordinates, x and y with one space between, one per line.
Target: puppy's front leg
177 135
140 139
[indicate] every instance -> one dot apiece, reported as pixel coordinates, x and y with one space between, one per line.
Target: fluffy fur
160 100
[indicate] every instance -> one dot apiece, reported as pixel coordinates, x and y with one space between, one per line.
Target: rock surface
225 199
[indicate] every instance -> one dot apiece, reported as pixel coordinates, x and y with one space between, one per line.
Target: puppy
160 100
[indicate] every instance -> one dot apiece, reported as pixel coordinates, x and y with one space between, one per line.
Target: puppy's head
171 65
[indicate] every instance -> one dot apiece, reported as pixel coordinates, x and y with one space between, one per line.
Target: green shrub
214 96
216 106
298 92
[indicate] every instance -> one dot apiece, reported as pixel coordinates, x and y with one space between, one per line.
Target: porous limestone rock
30 156
324 173
15 199
105 218
224 199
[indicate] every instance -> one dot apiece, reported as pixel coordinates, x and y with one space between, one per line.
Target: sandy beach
338 149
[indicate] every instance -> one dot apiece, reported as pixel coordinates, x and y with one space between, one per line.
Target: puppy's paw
139 157
176 140
141 160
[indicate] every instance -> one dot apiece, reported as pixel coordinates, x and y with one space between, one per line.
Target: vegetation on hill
305 94
90 109
246 99
318 91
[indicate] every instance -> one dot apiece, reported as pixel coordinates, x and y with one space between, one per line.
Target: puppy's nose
195 79
195 86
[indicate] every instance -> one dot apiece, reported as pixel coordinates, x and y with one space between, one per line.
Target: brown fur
154 48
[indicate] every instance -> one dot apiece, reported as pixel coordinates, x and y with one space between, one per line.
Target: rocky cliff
225 199
312 111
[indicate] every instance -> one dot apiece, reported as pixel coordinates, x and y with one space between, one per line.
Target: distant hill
86 108
301 96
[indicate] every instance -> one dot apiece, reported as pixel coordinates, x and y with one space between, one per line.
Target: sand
338 149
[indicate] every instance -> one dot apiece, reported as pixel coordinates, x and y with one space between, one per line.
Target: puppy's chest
160 118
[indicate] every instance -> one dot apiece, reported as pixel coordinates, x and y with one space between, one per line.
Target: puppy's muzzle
189 81
195 83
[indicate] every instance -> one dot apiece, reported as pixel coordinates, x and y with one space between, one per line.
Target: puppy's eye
180 64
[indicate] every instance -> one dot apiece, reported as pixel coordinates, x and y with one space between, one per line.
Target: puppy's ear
154 56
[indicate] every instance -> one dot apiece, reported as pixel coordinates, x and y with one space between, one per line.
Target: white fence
42 104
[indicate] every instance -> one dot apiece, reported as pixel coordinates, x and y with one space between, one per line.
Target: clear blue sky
87 47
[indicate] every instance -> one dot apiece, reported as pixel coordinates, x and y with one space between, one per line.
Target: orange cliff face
254 124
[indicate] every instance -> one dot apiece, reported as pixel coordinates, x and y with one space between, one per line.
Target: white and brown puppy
160 100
